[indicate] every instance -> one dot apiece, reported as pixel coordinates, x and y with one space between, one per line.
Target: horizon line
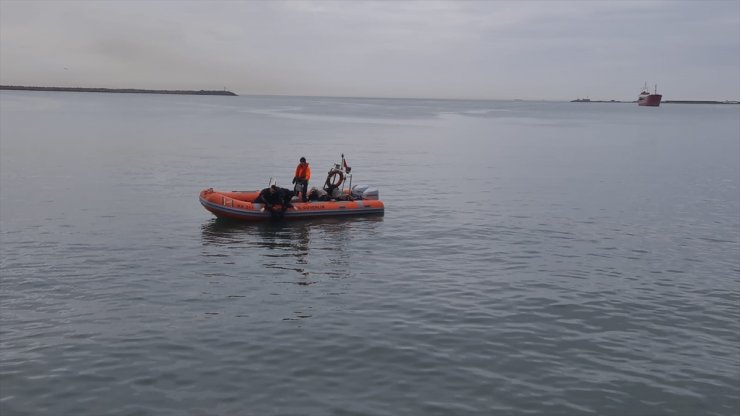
224 90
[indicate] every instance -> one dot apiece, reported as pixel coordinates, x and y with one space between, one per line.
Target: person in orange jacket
302 175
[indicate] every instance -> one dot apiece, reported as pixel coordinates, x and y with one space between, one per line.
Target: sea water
534 258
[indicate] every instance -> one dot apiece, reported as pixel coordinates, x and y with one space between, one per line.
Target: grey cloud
501 49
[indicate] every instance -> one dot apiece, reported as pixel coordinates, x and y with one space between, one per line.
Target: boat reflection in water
310 248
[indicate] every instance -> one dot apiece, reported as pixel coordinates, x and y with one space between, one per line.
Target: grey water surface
534 258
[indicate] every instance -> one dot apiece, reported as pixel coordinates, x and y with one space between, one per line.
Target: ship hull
652 100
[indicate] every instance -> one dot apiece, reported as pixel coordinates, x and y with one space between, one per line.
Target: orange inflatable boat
240 205
334 200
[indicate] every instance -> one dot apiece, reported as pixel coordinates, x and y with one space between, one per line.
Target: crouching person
275 196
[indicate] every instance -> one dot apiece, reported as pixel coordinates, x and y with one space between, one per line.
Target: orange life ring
330 180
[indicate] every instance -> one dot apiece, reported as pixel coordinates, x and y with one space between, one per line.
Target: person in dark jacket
268 196
275 195
285 195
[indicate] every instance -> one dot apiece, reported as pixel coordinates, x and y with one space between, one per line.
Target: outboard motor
365 192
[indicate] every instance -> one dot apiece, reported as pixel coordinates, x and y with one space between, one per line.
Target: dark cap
303 160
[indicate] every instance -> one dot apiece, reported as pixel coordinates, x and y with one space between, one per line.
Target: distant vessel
649 100
581 100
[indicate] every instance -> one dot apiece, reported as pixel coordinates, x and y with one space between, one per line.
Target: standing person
302 175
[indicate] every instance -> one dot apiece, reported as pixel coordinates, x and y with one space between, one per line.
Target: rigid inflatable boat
242 205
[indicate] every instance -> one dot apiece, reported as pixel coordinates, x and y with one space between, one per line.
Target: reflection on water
311 248
588 269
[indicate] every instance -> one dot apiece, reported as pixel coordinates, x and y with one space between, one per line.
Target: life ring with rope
335 178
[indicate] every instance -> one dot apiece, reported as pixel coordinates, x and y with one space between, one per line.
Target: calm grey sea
534 258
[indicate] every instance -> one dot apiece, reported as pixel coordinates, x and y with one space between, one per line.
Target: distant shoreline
586 100
116 90
229 93
699 102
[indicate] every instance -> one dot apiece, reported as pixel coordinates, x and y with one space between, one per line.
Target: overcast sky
554 50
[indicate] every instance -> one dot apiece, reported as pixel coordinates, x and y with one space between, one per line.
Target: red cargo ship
647 99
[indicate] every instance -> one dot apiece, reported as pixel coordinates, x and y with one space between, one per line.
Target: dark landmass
116 90
699 102
586 100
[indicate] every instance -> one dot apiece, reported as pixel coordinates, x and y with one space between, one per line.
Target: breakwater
118 90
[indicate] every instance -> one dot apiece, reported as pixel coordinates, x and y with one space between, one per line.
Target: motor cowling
365 192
